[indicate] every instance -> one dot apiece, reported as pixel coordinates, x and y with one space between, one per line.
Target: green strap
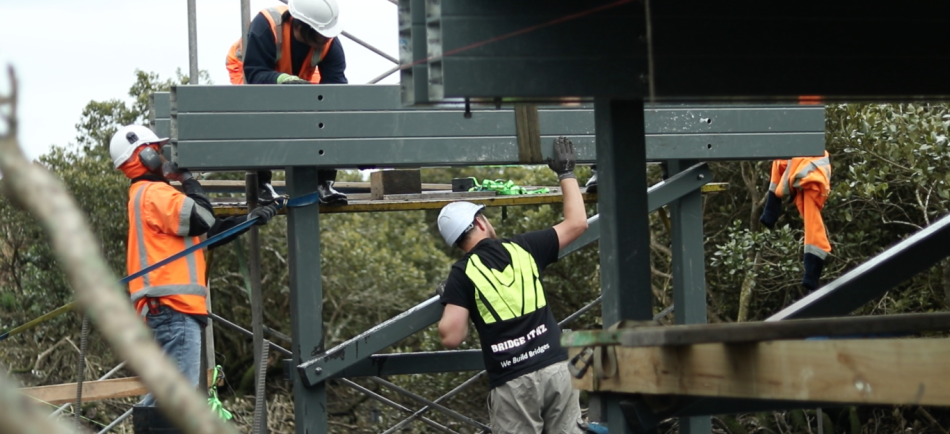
504 188
216 406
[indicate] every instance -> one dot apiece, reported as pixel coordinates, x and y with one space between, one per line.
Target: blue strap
298 202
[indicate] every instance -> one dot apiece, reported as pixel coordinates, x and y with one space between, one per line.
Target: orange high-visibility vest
802 173
159 220
283 32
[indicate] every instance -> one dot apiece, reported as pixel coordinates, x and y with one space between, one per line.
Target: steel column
624 224
689 272
306 300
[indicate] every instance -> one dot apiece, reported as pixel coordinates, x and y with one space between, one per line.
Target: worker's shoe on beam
266 194
813 268
329 196
592 182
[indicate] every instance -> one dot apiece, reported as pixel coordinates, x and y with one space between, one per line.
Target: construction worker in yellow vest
807 181
293 44
497 284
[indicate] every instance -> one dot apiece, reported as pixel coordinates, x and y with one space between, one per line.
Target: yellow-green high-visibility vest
514 292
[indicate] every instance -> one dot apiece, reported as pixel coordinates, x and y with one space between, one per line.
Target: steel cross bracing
343 126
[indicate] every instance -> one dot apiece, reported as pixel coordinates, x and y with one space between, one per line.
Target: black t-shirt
260 57
499 282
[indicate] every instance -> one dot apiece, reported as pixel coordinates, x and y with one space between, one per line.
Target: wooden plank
440 195
91 390
856 326
357 203
872 371
528 130
387 182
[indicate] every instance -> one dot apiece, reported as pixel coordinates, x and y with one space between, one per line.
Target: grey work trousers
538 402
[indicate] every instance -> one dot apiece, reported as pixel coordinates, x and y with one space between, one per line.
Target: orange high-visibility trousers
809 203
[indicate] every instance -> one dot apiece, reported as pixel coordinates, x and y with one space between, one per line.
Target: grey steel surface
375 124
327 364
467 151
624 224
162 127
161 105
699 49
873 278
306 300
689 272
593 55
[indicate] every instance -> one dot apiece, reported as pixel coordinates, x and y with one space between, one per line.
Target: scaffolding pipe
371 48
448 412
393 404
192 43
385 74
245 22
117 421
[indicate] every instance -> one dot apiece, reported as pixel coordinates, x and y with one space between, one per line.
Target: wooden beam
847 327
91 390
873 371
58 394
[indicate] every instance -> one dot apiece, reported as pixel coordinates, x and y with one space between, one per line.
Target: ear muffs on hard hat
321 15
128 139
455 218
150 158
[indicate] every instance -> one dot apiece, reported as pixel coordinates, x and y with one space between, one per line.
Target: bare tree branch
97 290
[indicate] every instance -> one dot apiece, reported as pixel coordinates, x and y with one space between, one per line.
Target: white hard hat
322 15
127 139
455 218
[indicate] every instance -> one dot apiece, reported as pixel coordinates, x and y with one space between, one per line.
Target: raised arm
575 216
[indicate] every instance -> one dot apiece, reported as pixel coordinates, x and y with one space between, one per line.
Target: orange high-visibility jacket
804 173
159 220
283 32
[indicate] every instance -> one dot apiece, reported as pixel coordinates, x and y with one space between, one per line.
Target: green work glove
564 159
290 79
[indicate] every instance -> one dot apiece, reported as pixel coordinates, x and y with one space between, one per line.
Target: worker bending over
808 181
163 222
293 44
498 284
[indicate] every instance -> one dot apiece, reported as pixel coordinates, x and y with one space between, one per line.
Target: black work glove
564 159
171 172
263 214
440 291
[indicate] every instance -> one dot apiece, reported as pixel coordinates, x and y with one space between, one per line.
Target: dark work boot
772 211
813 267
329 196
266 195
592 182
150 420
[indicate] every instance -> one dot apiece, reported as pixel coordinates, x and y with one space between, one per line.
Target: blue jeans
179 335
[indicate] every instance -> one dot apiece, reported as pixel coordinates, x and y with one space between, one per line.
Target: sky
67 52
